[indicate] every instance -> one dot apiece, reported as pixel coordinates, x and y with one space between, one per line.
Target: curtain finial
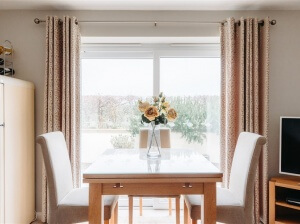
273 22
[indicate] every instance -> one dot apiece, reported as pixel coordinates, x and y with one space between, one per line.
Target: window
193 88
110 90
115 77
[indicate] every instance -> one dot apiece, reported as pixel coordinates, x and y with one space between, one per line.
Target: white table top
133 163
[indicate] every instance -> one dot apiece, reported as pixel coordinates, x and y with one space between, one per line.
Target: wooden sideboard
279 210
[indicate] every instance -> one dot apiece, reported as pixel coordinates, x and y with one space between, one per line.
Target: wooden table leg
170 206
178 210
185 214
95 204
141 206
115 215
209 207
130 200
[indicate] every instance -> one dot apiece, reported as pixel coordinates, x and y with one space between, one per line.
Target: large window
115 77
110 90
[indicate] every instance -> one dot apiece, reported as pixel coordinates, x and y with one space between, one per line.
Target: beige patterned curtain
245 96
62 94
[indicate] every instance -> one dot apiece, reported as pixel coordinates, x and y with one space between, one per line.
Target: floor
150 216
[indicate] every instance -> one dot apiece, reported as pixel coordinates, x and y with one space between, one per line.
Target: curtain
244 96
61 91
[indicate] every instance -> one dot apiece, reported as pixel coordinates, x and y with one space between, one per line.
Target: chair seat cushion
224 198
226 204
80 197
74 206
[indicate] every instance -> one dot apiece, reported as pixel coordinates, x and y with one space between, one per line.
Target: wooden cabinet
279 210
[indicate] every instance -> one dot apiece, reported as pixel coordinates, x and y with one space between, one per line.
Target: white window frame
150 51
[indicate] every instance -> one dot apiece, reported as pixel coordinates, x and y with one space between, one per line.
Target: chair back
165 141
58 167
244 164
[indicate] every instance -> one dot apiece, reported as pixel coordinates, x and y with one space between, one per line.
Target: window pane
192 86
110 91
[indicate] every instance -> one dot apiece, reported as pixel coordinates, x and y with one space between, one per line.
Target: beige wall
28 39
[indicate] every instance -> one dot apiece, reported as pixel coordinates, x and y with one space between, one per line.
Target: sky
178 76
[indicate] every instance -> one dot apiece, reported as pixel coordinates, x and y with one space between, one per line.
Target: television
289 157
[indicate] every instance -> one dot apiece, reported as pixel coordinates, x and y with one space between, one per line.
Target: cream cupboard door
2 199
19 151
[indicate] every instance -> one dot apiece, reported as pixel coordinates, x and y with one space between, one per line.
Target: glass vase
153 141
153 164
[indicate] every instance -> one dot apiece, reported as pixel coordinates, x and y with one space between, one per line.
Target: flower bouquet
159 112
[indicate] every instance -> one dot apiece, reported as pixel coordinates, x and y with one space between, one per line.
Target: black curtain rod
261 22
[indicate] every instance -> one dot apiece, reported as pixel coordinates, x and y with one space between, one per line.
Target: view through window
110 91
193 88
112 85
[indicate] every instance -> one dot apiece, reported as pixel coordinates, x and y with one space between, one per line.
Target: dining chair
164 143
67 204
235 204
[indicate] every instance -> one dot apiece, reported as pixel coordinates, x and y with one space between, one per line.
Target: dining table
132 172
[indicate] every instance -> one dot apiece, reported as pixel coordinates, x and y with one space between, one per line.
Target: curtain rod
261 22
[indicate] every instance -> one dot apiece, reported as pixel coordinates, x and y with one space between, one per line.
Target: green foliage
213 114
161 119
107 112
191 119
197 115
135 122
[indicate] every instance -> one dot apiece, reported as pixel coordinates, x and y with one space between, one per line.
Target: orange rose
171 115
143 106
151 113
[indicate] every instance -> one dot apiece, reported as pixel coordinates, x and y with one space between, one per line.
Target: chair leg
112 219
115 215
141 206
185 214
106 221
130 198
170 206
194 221
178 210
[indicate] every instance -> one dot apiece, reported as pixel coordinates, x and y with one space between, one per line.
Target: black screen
290 145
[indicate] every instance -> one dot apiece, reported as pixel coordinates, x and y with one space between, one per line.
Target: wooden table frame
204 184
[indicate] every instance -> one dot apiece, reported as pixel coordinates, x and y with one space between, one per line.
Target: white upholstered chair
235 204
165 142
67 205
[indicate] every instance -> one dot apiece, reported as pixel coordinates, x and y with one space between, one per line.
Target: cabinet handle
2 125
118 185
187 185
